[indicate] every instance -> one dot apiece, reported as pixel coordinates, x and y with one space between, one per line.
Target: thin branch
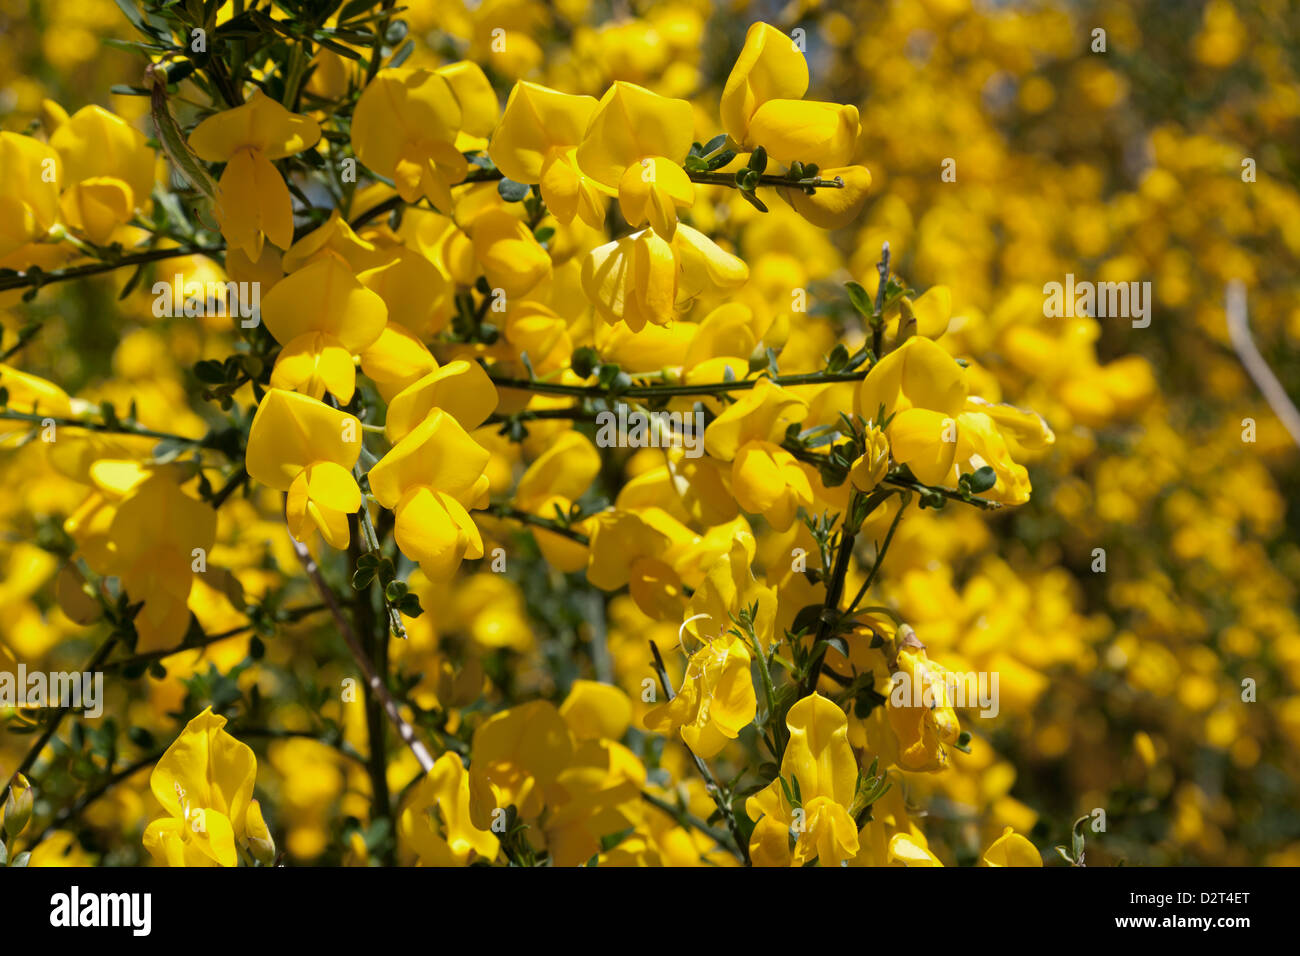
372 678
38 278
1256 366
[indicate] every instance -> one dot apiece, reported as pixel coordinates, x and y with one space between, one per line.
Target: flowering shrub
519 433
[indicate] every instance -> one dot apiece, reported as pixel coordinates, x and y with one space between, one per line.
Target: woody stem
373 681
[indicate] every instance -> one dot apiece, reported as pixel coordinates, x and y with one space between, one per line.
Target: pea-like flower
205 783
254 203
634 145
430 479
302 446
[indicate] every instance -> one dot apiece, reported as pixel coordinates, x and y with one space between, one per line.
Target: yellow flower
254 201
634 145
29 195
770 67
204 782
765 478
537 141
512 258
302 446
429 479
920 709
1011 849
156 536
716 700
518 755
436 822
322 316
460 388
871 466
763 105
556 478
820 759
404 128
642 278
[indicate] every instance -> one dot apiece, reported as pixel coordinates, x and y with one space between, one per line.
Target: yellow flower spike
716 700
652 190
98 207
204 782
596 711
770 67
461 389
261 125
458 841
306 448
404 127
322 316
821 759
512 258
1011 849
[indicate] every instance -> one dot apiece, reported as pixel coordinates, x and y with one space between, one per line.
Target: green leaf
982 479
512 191
860 298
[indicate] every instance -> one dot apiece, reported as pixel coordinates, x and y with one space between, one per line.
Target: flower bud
18 807
259 836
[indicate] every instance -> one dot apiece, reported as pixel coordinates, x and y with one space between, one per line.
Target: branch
37 278
527 517
653 391
1239 332
373 680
